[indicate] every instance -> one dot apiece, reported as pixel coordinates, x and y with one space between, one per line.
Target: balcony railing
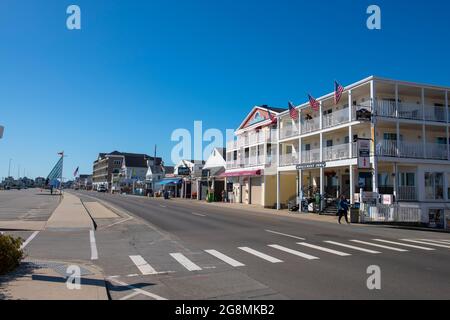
338 152
335 118
288 159
310 125
289 131
407 193
310 156
389 148
252 161
253 139
411 111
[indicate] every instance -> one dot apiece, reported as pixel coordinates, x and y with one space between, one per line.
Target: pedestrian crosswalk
277 254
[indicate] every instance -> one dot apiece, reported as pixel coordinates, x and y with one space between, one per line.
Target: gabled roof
264 116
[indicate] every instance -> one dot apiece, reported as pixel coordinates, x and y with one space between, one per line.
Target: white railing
390 214
338 152
335 118
410 111
435 113
385 108
436 151
288 159
310 125
310 156
232 145
252 161
407 193
289 131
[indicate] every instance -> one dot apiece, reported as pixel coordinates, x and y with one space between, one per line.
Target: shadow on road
25 269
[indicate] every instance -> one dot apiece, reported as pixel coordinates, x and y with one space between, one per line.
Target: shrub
10 253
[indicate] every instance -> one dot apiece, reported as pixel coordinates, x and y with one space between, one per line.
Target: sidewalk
70 214
47 280
260 210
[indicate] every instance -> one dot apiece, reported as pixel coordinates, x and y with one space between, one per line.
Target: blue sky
140 69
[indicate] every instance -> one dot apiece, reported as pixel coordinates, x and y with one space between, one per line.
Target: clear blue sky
140 69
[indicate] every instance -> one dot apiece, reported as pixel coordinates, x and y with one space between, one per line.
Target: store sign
184 171
364 154
311 166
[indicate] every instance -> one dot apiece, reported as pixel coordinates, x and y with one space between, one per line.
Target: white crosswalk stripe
379 246
427 243
437 241
294 252
352 247
404 244
312 246
185 262
142 265
225 258
261 255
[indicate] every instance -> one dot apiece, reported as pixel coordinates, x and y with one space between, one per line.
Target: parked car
101 188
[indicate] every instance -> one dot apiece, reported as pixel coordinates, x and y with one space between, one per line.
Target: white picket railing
288 159
338 152
335 118
310 125
389 148
390 214
310 156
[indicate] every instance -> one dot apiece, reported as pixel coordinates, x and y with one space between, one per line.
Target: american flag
315 105
75 173
61 153
293 112
338 90
272 118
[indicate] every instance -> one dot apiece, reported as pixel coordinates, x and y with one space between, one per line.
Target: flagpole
62 170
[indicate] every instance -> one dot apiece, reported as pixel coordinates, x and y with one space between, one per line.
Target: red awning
245 173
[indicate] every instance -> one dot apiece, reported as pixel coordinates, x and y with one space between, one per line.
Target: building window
434 186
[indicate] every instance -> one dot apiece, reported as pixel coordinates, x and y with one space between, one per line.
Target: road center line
198 214
94 252
31 237
286 235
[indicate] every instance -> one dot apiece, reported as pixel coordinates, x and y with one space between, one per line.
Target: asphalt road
26 205
191 250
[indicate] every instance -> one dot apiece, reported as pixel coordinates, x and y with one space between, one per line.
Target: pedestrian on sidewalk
343 209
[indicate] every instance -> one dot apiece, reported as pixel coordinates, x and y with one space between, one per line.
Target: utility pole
9 168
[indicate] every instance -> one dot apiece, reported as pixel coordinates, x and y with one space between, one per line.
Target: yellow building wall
270 192
288 188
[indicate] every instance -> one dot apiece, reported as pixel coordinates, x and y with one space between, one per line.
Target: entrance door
346 186
256 189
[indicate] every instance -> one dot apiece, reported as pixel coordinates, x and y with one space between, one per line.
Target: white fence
390 214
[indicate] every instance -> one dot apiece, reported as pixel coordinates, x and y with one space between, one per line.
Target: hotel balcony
310 125
338 152
252 161
254 138
310 156
434 151
290 159
407 193
411 111
289 130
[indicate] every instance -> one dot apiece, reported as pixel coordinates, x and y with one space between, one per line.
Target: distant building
117 169
39 182
83 182
189 171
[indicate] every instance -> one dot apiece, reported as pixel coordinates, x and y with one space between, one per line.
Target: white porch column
352 186
396 178
278 190
350 106
350 140
373 95
424 140
447 114
300 183
322 186
321 115
397 152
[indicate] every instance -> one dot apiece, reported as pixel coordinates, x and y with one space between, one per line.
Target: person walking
343 209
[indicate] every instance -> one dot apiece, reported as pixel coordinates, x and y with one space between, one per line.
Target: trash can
354 215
